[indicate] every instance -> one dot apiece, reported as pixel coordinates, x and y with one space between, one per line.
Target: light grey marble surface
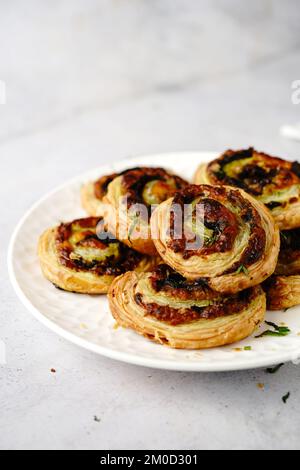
94 81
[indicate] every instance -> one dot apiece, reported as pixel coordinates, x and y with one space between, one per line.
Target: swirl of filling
149 186
167 308
170 297
83 245
82 257
130 199
101 185
273 181
217 233
289 255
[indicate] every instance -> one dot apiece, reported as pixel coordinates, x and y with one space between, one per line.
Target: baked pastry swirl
168 309
271 180
220 234
92 195
289 255
79 257
130 198
283 288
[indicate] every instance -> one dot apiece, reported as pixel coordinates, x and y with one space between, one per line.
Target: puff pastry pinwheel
218 233
271 180
76 257
283 288
166 308
130 198
92 195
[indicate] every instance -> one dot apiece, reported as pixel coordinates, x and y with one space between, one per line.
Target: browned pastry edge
199 334
219 279
283 292
287 173
74 278
120 218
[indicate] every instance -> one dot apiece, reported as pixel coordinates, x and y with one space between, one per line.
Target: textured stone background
94 81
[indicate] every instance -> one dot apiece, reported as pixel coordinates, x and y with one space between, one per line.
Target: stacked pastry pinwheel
276 183
186 265
83 256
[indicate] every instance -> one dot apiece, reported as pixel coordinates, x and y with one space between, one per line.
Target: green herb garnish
278 330
273 325
286 397
242 269
247 348
284 236
210 241
273 370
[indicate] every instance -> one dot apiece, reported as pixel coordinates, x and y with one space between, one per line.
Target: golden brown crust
192 334
129 199
201 176
283 288
90 203
121 225
76 274
272 180
283 292
288 218
245 237
289 256
65 278
92 195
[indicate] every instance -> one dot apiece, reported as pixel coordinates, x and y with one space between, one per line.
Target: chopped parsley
277 330
242 269
273 370
209 241
286 397
284 236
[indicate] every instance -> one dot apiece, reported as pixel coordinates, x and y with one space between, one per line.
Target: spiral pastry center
167 296
81 247
215 223
149 186
271 180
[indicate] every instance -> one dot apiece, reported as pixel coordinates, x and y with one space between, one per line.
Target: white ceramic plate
86 320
